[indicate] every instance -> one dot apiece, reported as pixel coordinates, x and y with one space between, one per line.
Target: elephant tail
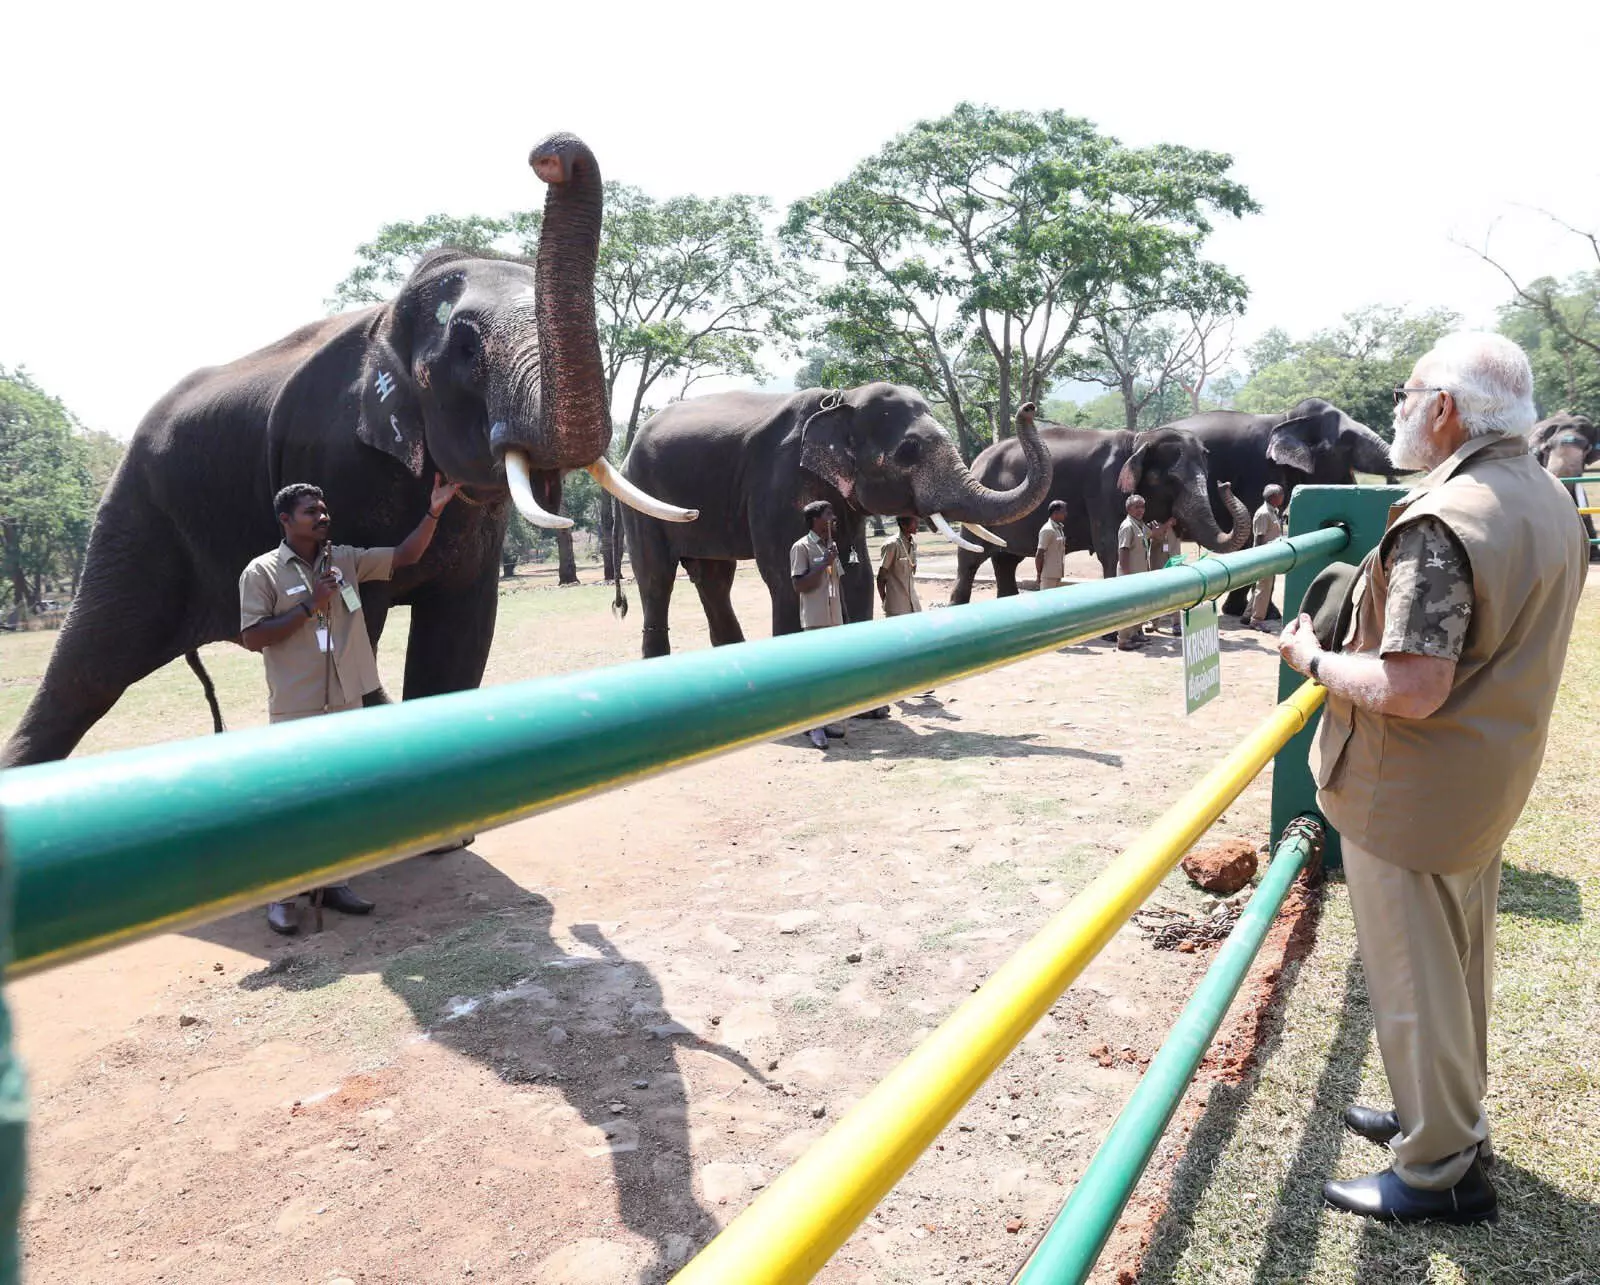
193 657
619 604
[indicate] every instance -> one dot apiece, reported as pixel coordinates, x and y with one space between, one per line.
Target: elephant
749 462
1314 443
486 370
1094 471
1566 444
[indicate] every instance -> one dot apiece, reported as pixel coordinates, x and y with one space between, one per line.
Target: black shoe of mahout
1384 1196
282 918
339 897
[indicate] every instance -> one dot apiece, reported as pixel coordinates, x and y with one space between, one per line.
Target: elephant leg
967 565
1005 574
451 629
713 578
128 620
654 573
1238 601
774 568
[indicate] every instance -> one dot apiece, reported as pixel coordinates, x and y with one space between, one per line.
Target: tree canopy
973 250
52 472
1557 323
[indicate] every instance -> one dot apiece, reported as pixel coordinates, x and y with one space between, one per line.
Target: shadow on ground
474 957
1537 895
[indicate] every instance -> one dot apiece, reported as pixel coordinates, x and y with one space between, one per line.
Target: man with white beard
1438 703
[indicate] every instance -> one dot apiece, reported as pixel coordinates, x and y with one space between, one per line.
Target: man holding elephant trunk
300 608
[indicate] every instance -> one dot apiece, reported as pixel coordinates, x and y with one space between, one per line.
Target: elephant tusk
520 480
634 498
983 533
948 532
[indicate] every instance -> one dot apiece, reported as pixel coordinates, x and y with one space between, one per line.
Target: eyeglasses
1401 392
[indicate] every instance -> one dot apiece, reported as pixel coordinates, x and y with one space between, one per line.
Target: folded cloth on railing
1329 602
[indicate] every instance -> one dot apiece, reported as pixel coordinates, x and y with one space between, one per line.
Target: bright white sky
186 183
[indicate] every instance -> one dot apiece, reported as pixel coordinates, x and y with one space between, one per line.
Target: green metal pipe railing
1067 1252
1587 477
117 846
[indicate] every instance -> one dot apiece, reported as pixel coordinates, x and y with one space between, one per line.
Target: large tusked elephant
1566 444
749 462
485 370
1094 471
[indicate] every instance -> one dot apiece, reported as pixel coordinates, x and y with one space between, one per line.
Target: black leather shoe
455 845
1372 1124
881 712
339 897
281 918
1383 1195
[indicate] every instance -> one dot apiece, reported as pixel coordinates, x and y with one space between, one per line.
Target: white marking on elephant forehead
394 423
443 314
524 298
384 384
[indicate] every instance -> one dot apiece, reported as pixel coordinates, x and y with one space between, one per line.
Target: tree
1355 365
1566 368
974 249
52 472
1570 313
685 288
1152 346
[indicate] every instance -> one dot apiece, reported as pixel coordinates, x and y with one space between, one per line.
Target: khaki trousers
1049 582
315 713
1427 949
1261 600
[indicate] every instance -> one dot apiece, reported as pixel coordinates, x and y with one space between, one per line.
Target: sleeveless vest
1440 794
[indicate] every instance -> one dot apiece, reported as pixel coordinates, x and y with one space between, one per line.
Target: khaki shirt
1053 544
301 677
897 577
822 606
1266 525
1134 536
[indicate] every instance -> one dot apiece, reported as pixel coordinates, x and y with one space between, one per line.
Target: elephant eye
464 341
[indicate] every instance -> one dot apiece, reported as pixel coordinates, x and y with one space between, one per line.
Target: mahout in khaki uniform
1133 557
1265 526
300 607
1050 562
897 572
814 568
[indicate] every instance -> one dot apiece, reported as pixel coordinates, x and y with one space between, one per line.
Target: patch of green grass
472 961
1245 1203
944 937
806 1003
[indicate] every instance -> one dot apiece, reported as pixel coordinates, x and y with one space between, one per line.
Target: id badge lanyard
324 627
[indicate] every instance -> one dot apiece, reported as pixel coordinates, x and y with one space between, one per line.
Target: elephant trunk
1199 523
577 424
1369 453
965 499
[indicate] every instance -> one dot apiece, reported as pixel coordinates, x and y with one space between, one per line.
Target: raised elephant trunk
1199 523
568 396
577 420
962 498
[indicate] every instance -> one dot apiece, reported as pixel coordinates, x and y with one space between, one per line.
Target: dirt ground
573 1052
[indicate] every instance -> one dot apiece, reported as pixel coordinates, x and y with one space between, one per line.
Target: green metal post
1364 512
1067 1253
121 845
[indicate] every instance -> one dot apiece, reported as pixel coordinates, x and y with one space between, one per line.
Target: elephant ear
828 446
1133 466
391 414
1295 443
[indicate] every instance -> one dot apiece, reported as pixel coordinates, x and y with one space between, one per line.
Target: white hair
1488 376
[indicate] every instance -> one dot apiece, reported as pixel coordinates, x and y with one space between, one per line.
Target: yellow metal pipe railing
798 1223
